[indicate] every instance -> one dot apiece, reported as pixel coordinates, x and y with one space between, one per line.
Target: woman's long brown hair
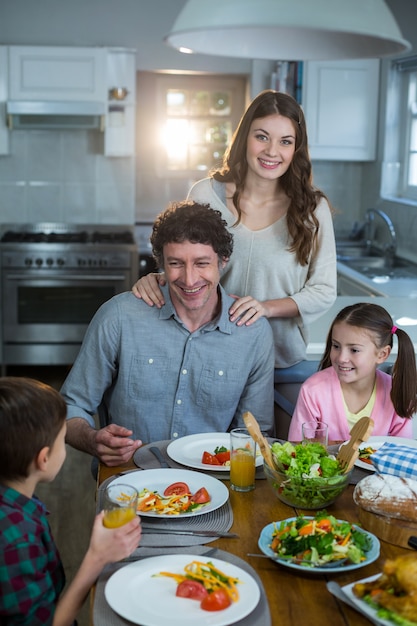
297 180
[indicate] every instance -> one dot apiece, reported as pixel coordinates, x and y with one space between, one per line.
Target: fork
278 559
349 452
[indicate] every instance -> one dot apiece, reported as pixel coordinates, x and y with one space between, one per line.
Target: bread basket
389 529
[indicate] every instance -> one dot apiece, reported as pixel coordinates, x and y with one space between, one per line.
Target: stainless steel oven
53 280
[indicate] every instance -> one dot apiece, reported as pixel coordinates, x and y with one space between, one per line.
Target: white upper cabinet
340 101
87 76
57 73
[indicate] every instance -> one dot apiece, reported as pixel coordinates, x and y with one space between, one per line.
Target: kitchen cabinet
119 137
340 102
80 75
57 73
4 79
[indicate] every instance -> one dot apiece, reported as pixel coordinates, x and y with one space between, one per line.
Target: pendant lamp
293 30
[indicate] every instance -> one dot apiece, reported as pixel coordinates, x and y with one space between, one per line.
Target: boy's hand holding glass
119 504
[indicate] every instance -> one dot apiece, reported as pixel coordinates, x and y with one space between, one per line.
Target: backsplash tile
63 176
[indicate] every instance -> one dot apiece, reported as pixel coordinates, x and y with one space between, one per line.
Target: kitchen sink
374 266
372 262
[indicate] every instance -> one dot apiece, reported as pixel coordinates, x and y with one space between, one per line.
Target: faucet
389 248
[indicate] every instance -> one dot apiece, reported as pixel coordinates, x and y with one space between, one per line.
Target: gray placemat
103 615
145 459
220 520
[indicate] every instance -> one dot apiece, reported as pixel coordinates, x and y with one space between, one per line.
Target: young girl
349 384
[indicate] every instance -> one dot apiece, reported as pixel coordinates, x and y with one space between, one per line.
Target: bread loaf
388 495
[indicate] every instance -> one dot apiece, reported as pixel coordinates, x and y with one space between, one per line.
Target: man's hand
114 445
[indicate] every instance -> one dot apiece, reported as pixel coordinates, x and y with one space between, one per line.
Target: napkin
398 460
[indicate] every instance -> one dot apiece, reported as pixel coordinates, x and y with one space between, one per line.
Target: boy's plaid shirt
31 572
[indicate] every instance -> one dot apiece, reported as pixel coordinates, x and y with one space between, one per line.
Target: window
197 117
400 173
411 135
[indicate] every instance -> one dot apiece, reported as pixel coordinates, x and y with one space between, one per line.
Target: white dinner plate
159 479
189 450
362 605
135 593
377 442
265 540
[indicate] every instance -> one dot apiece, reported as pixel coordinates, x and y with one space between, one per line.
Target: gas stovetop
62 246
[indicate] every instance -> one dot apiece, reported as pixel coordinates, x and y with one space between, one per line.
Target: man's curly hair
194 222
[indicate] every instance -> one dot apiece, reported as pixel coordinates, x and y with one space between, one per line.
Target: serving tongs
255 432
349 452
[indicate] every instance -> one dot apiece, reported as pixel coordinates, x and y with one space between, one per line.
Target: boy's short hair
31 416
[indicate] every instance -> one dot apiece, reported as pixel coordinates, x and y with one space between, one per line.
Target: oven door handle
81 277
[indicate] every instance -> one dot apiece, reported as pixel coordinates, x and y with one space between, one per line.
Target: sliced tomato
216 601
209 459
223 457
324 524
201 496
191 589
177 489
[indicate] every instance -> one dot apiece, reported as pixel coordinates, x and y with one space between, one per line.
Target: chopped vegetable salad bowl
306 493
306 476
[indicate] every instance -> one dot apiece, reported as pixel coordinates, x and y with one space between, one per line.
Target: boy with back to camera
32 450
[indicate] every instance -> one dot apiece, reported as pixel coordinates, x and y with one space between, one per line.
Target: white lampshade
293 30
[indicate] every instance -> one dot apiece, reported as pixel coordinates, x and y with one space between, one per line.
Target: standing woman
283 265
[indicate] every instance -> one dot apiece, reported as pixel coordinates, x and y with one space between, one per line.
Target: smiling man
162 373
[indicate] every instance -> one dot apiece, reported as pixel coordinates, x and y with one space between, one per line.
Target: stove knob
28 262
60 262
39 262
49 262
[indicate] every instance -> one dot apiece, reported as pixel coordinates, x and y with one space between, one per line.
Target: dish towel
103 615
398 460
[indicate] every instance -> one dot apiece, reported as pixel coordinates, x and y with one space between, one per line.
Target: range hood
32 114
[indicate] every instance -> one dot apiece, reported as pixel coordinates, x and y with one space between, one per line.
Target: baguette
388 495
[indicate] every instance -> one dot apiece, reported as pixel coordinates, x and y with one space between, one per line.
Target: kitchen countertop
402 310
381 285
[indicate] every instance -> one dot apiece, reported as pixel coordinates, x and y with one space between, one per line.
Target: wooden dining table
294 597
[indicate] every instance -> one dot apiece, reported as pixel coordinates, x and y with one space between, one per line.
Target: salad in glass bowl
305 475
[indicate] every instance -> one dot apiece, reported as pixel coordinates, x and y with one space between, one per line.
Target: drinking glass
242 460
315 432
120 503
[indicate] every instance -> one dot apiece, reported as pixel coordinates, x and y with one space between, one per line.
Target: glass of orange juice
120 503
242 460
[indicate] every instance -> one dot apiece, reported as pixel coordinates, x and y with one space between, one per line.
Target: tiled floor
70 498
